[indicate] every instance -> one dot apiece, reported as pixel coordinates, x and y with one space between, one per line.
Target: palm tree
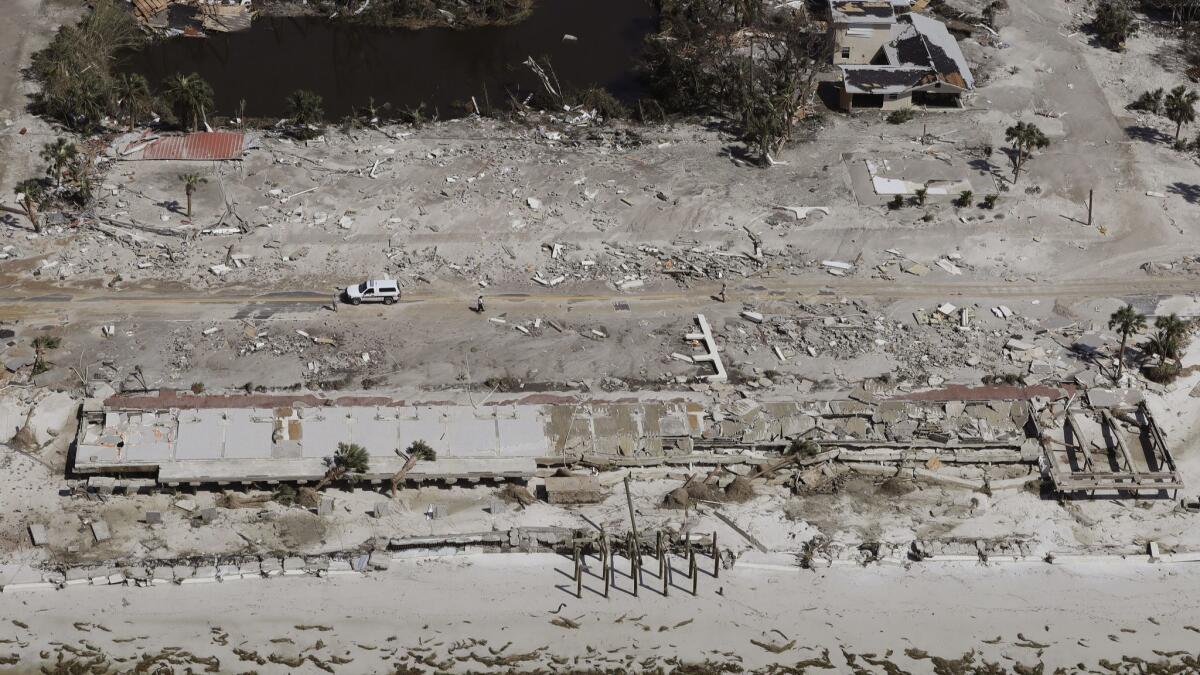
1172 325
31 194
1025 138
1164 345
1169 339
1125 321
418 451
1180 107
305 109
133 92
59 154
348 461
191 181
190 95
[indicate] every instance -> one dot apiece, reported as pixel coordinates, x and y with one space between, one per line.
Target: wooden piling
693 571
634 556
578 573
666 578
658 549
716 556
604 560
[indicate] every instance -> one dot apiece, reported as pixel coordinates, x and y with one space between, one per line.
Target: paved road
176 304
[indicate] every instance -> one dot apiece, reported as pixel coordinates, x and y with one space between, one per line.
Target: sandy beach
519 612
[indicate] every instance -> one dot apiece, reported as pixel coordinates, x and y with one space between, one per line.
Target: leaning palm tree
348 461
31 193
133 94
191 97
1180 107
418 451
59 155
191 181
1025 138
1125 321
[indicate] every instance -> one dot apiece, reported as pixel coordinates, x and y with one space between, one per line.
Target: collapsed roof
920 53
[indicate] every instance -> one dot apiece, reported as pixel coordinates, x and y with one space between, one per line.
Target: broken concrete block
188 505
293 566
154 518
37 532
100 531
574 490
325 506
101 485
744 409
837 265
752 316
949 266
379 560
16 358
208 515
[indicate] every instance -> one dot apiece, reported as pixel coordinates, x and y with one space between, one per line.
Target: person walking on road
479 304
336 298
721 296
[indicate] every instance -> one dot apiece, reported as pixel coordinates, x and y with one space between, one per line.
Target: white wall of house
900 101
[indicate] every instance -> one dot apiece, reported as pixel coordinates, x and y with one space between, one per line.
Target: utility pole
1090 208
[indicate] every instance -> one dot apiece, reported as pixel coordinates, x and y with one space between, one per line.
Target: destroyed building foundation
244 440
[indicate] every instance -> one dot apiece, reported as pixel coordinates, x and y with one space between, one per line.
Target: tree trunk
1121 355
189 202
1178 128
330 476
399 475
32 214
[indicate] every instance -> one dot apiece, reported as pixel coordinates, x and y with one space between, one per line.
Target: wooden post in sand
693 571
716 555
629 502
605 561
578 573
634 555
658 550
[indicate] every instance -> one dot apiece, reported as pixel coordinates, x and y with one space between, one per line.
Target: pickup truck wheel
389 301
356 301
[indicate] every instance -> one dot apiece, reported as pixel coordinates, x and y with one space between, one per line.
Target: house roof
884 79
921 41
861 12
214 145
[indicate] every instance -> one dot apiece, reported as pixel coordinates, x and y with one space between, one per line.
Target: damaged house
891 58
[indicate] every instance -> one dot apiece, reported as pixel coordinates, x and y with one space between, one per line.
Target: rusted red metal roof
215 145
